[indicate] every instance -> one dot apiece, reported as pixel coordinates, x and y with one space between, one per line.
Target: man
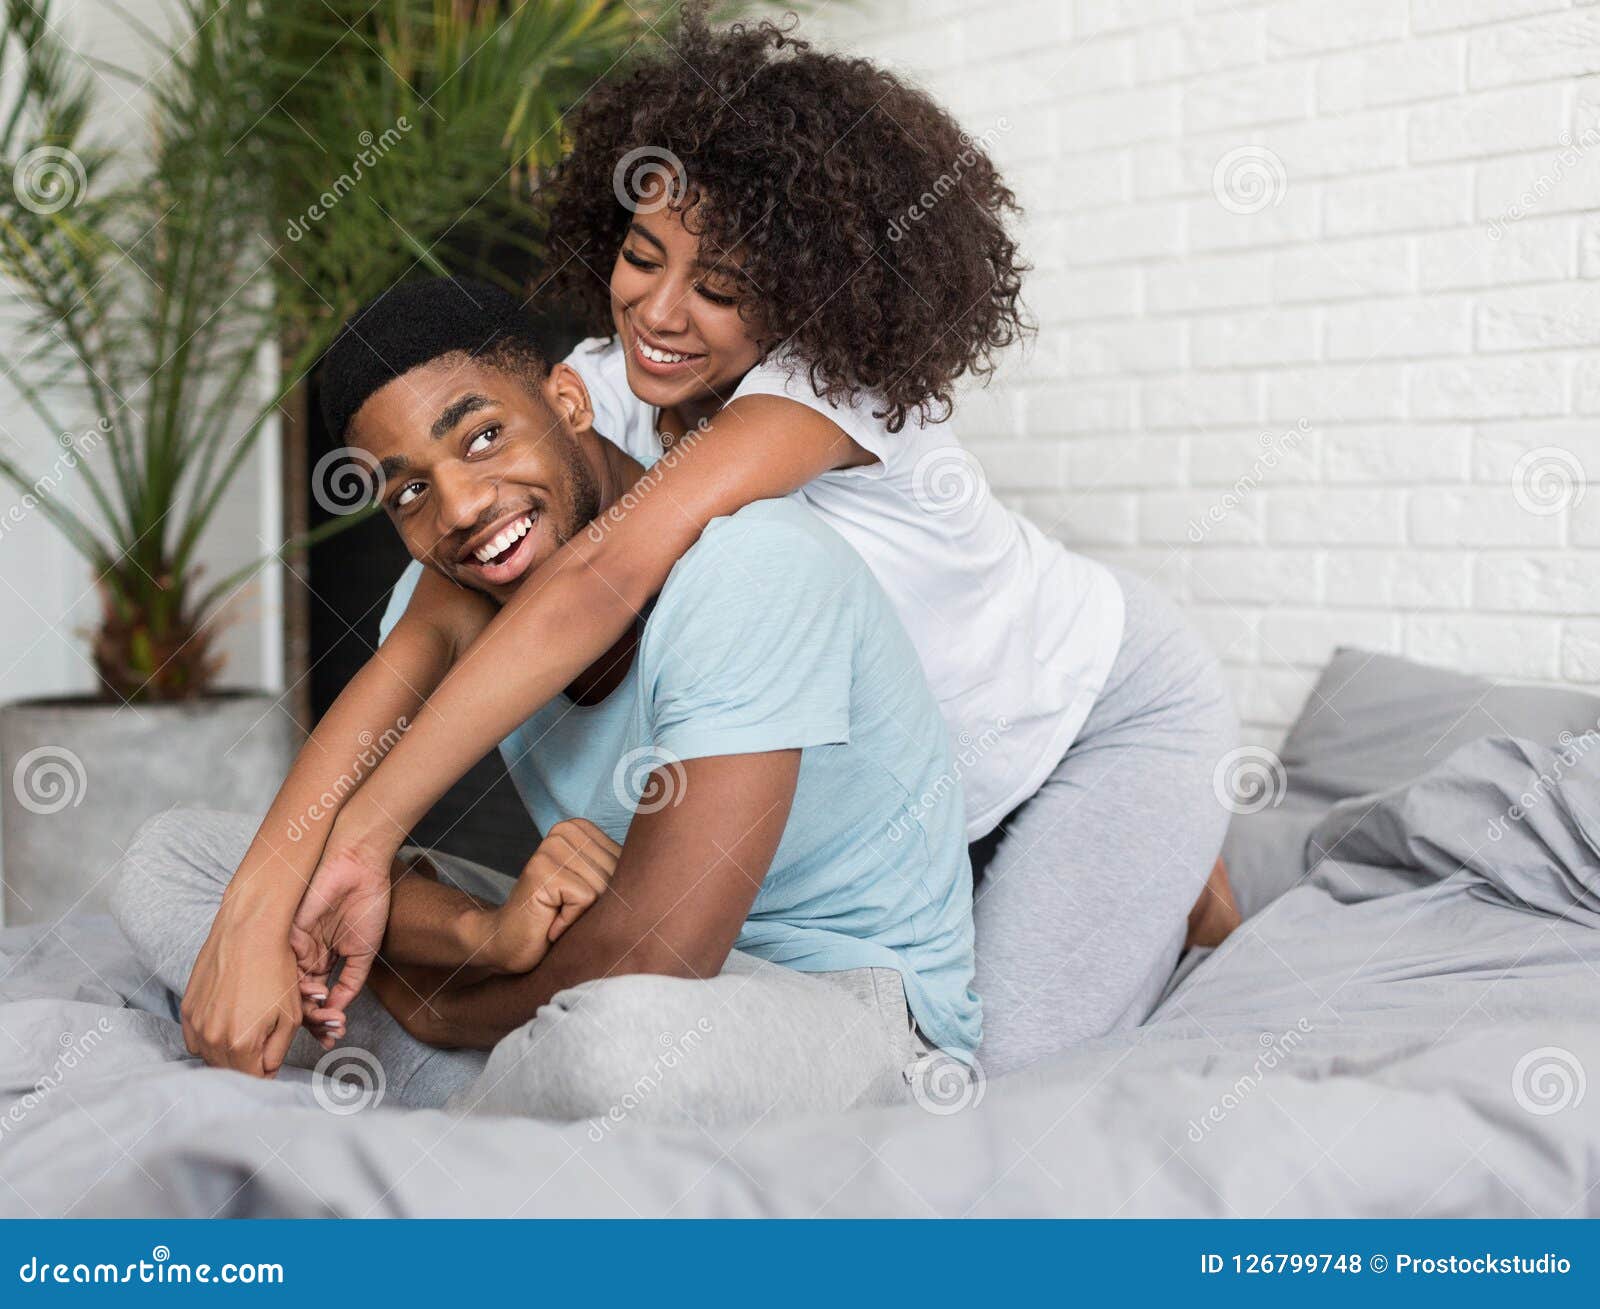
762 775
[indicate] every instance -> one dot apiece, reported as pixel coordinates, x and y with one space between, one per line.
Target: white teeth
502 539
660 356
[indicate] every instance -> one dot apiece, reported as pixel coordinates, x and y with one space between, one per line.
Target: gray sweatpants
1085 889
758 1040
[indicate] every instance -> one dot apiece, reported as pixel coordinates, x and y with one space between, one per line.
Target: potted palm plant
293 161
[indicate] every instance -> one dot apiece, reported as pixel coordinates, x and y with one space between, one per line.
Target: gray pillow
1372 722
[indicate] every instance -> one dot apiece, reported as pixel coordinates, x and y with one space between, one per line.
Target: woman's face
675 313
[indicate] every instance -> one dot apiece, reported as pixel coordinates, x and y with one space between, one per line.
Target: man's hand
242 1005
342 916
568 872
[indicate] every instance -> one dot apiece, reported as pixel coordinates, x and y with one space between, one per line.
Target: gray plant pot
80 776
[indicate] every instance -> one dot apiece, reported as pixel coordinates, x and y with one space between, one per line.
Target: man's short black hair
416 322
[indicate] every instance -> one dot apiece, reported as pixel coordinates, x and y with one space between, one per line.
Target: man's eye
409 492
483 440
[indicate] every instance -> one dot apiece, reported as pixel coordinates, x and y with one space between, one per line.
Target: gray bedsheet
1408 1031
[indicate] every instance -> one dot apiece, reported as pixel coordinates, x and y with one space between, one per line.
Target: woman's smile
662 360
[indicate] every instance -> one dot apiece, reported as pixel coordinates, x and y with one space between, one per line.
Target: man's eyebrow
394 464
455 411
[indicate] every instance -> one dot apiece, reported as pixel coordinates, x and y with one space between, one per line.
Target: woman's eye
482 441
638 261
717 297
409 492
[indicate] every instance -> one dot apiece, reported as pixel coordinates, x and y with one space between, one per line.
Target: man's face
481 474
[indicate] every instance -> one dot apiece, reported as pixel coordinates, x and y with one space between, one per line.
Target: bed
1404 1025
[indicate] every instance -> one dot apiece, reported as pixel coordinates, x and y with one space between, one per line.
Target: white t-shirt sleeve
619 415
790 378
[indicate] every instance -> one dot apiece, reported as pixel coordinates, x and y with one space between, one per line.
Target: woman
795 257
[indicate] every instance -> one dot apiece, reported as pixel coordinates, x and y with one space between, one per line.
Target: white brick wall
1357 405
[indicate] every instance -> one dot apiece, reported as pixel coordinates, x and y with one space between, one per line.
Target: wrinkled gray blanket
1409 1030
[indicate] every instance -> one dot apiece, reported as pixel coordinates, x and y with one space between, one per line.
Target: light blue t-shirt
772 634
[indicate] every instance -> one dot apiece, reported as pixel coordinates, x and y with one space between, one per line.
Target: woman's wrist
267 886
363 832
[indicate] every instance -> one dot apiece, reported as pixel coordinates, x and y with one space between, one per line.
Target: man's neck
614 472
614 469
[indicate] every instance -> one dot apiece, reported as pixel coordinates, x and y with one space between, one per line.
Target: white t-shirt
1016 634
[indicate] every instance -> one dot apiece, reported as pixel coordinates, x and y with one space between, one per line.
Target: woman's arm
242 1005
572 608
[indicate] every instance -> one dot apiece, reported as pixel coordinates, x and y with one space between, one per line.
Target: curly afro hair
870 229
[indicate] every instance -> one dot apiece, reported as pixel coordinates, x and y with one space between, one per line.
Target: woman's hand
568 872
242 1005
342 916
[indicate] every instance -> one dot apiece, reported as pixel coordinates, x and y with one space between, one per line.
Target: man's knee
178 854
609 1047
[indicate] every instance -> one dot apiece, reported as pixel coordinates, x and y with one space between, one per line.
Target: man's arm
433 923
683 887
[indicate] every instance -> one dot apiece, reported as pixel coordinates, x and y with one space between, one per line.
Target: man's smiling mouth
503 540
505 555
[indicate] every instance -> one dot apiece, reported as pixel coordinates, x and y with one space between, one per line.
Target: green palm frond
292 161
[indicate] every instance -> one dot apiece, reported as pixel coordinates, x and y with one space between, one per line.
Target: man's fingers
592 833
569 896
597 876
594 849
566 918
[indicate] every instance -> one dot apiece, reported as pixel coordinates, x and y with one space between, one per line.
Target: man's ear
569 397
